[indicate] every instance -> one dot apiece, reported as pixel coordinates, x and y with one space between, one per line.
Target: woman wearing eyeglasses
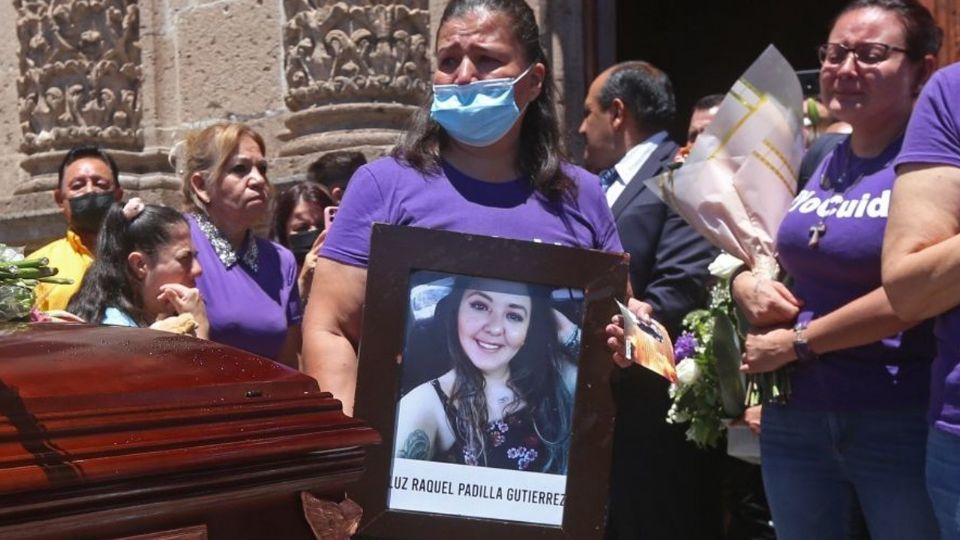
853 432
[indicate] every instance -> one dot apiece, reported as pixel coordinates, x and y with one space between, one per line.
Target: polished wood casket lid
85 405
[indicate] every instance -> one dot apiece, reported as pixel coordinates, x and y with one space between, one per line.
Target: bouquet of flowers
734 188
708 390
18 279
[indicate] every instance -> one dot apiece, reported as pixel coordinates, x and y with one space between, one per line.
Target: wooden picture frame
401 256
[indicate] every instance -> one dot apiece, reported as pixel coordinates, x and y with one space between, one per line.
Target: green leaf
726 349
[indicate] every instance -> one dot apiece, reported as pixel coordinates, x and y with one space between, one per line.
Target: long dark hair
541 146
109 282
535 379
301 191
922 34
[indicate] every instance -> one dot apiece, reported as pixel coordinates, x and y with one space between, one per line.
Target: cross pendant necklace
816 232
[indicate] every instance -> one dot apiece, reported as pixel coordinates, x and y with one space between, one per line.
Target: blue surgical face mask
479 113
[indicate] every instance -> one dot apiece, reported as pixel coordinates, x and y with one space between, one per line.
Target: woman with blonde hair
249 284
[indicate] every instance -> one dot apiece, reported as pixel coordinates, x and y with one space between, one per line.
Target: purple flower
496 432
470 457
685 347
524 456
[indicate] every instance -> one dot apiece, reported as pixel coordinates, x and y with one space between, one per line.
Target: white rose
688 371
677 417
724 266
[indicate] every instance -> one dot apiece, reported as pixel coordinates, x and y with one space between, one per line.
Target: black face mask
301 242
87 211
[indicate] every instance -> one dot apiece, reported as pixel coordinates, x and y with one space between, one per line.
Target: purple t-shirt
933 137
888 374
248 309
387 191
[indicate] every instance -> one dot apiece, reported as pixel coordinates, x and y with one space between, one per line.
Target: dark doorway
705 46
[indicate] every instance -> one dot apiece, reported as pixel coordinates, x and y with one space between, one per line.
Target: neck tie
608 177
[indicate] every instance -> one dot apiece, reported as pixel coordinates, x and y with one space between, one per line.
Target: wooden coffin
133 433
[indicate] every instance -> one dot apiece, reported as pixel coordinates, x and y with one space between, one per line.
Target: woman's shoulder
388 168
422 402
947 76
113 316
578 174
433 392
377 180
423 392
287 260
588 184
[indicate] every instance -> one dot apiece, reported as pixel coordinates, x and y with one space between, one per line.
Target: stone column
354 73
80 82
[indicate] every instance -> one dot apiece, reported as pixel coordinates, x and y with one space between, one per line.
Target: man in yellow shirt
88 185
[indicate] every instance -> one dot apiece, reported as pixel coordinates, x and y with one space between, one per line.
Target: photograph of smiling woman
504 397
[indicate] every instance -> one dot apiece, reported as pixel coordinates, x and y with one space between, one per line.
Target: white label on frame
480 492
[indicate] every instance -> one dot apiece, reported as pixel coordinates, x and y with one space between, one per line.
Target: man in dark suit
662 486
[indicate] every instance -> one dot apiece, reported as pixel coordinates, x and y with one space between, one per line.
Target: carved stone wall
355 72
80 73
337 52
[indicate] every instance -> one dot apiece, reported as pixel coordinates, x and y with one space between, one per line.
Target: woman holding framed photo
484 156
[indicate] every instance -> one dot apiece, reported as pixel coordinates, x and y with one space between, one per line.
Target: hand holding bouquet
734 188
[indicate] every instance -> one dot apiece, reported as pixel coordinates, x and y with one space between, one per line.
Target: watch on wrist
800 346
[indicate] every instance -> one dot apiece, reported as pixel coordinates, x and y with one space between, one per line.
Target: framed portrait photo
484 367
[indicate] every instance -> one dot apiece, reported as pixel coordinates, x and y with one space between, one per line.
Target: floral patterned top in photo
511 442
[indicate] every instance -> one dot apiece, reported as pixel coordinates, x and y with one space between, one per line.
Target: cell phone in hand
809 82
328 214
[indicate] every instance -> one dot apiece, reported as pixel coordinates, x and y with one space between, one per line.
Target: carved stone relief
339 51
80 73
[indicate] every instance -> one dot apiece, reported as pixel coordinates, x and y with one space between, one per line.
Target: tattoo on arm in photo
417 446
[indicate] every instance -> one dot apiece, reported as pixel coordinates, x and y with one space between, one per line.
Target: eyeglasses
866 54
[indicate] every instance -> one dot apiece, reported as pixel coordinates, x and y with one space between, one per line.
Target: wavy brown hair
535 379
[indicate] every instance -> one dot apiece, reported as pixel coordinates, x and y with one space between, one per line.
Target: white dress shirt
630 164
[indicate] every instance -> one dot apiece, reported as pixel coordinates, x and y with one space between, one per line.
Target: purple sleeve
593 202
348 241
606 228
933 135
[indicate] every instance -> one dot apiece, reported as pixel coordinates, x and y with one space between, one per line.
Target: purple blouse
251 297
848 197
388 191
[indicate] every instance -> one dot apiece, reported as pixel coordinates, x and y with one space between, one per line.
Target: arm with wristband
865 320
